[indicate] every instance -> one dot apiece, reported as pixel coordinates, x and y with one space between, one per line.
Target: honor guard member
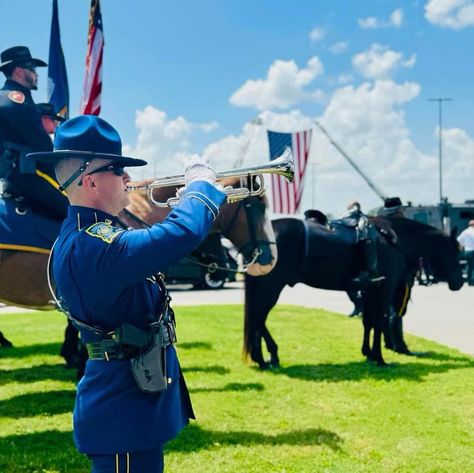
392 207
22 132
367 237
132 398
49 118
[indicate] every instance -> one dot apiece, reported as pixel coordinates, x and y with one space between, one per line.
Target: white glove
196 169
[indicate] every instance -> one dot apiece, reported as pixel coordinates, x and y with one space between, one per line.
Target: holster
149 368
13 155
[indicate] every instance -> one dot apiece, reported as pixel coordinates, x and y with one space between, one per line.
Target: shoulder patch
104 231
17 96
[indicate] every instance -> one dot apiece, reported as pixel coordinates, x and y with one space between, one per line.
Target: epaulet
16 96
104 231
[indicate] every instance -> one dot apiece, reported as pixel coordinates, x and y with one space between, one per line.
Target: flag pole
352 163
243 150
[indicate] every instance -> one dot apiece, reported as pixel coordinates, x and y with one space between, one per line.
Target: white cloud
317 34
380 62
163 142
339 47
344 79
284 86
454 14
367 121
395 20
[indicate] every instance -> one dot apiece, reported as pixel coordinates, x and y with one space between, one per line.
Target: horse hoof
6 344
403 351
274 364
366 352
264 365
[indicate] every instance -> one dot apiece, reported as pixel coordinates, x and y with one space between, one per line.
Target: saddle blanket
23 230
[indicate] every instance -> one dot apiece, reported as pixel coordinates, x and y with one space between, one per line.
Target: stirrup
362 278
376 279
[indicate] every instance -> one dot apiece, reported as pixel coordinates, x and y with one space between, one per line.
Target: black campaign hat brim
54 157
18 62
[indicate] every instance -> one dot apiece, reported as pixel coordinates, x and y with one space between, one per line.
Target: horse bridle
254 242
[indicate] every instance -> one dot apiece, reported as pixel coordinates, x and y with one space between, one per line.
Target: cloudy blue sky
189 77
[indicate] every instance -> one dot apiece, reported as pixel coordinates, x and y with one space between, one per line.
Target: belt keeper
106 356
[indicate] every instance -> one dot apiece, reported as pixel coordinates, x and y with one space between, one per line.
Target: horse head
247 225
244 223
447 262
418 239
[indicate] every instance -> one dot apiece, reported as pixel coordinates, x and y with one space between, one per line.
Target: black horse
400 243
333 263
417 240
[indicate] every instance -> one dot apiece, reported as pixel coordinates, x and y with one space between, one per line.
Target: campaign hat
19 56
46 109
392 202
87 137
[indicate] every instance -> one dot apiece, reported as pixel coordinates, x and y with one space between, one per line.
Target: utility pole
440 101
313 186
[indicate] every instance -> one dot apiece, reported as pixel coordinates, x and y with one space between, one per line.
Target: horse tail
249 320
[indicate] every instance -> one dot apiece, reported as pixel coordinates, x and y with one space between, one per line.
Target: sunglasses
30 68
116 169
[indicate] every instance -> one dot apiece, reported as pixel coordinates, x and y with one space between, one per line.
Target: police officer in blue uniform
22 132
132 398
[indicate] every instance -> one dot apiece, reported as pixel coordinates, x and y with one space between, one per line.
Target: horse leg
396 332
256 353
373 319
389 333
4 343
70 349
261 294
272 348
368 325
377 347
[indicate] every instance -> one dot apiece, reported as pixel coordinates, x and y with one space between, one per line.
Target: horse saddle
328 238
23 230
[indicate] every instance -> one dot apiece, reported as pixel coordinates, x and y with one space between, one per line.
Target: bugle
283 166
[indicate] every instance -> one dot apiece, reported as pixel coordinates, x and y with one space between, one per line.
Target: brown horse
246 224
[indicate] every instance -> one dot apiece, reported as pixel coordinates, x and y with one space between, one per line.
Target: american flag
91 97
287 196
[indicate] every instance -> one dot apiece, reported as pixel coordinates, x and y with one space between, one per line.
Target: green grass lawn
325 410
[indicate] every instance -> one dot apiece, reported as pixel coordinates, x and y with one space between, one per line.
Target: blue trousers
148 461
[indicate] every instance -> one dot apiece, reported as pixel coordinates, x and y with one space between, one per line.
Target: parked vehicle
201 272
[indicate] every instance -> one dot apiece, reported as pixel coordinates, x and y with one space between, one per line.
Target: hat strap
74 176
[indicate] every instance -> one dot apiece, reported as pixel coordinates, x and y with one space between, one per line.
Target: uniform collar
85 216
13 85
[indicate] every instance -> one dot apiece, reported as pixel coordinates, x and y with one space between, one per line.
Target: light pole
440 141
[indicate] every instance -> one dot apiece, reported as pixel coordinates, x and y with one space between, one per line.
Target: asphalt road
434 312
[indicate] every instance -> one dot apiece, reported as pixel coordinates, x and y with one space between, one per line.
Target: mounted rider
22 132
392 207
367 238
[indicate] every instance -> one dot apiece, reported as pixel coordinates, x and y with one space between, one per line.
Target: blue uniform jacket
104 275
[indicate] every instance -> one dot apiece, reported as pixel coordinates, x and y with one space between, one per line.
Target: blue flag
58 89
